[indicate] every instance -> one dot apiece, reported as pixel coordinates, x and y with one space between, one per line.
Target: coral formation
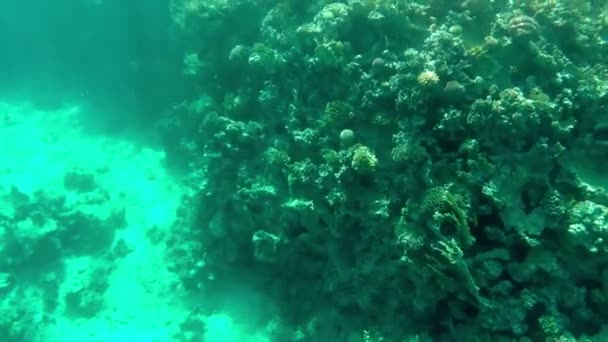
38 233
465 207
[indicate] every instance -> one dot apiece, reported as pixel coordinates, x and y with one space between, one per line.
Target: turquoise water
316 171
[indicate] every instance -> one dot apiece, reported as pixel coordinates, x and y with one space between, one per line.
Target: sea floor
142 300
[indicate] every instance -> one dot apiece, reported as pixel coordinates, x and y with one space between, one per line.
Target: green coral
409 153
275 157
265 58
549 325
588 227
364 161
337 113
332 54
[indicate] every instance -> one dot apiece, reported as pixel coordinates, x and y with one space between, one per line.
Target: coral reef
38 234
399 170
